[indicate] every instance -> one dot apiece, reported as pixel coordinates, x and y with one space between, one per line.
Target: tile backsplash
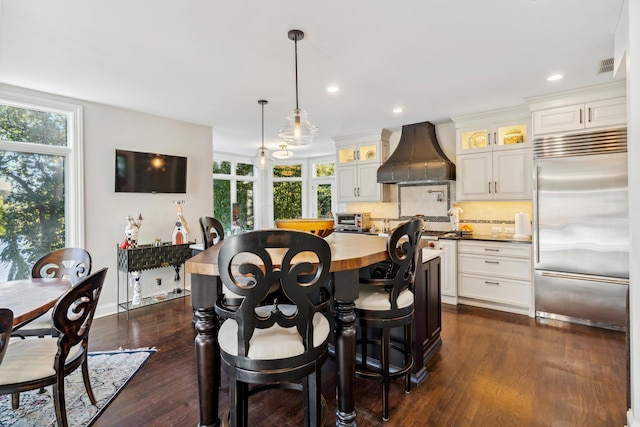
481 216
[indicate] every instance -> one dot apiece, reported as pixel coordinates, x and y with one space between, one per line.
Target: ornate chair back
212 231
250 264
6 324
73 314
69 263
402 247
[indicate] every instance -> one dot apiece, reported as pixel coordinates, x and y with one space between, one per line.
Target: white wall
107 128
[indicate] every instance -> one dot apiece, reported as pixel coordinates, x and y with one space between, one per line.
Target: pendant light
262 159
283 152
298 130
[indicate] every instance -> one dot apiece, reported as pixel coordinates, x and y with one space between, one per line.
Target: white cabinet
498 175
494 155
357 160
604 113
495 275
449 271
505 129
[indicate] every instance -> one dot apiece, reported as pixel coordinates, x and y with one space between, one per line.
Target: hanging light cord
295 42
262 103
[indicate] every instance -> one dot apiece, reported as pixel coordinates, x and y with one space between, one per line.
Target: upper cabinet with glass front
369 152
498 130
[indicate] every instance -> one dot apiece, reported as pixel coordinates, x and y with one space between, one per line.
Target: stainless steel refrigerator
581 228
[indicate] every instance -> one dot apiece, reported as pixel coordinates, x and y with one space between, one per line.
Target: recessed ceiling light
397 110
555 77
333 89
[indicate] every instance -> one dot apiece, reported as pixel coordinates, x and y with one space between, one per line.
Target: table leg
203 295
345 292
208 366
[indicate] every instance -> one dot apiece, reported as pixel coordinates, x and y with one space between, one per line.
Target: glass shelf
146 301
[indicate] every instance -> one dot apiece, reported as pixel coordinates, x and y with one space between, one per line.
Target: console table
147 257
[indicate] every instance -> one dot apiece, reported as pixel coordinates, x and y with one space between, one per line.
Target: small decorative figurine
131 231
181 228
137 289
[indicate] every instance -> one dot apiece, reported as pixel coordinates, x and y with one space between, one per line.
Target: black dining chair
283 343
6 324
68 263
386 301
30 364
212 231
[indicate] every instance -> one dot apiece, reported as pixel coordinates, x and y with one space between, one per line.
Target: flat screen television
138 172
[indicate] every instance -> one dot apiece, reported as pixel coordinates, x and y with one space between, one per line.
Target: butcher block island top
348 252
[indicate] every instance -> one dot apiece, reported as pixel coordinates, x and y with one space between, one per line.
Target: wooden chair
69 263
6 324
212 231
386 301
35 363
286 341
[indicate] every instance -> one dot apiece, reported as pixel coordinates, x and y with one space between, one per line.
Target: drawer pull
491 250
492 262
491 283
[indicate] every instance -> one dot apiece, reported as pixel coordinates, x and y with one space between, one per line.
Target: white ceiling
209 61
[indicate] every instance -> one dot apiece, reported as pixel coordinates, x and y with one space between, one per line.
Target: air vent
606 66
581 144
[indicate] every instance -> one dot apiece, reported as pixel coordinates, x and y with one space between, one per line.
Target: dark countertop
508 238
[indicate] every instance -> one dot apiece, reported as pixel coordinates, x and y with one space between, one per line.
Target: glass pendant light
262 159
283 152
298 130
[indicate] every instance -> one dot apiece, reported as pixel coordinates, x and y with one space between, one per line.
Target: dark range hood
417 158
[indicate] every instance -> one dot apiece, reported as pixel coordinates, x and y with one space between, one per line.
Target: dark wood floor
494 369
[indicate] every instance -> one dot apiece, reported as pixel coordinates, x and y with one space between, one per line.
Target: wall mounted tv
150 173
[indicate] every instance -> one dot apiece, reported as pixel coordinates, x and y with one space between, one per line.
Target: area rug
109 373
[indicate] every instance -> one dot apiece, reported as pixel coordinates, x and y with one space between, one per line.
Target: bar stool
386 301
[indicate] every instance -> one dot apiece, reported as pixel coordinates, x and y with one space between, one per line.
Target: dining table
349 253
31 298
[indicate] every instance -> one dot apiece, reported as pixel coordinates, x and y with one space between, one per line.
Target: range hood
417 158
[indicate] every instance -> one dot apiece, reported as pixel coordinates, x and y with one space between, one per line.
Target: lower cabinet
449 271
495 275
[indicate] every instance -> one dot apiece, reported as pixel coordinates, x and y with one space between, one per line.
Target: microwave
357 222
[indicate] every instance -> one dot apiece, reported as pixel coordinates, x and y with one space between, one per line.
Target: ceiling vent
606 66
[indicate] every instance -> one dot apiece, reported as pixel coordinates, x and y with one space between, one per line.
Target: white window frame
315 181
234 160
304 178
73 154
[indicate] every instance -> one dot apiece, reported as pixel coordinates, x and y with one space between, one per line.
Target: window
322 184
40 181
287 191
234 187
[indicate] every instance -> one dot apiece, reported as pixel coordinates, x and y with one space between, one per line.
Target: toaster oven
356 222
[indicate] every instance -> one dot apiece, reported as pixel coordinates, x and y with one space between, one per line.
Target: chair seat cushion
43 322
31 359
275 342
372 297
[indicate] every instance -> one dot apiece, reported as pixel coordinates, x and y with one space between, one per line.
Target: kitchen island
349 253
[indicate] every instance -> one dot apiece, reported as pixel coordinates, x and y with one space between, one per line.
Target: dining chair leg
87 381
407 357
59 402
312 402
385 350
365 339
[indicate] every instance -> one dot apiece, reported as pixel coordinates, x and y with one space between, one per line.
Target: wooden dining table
31 298
349 252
